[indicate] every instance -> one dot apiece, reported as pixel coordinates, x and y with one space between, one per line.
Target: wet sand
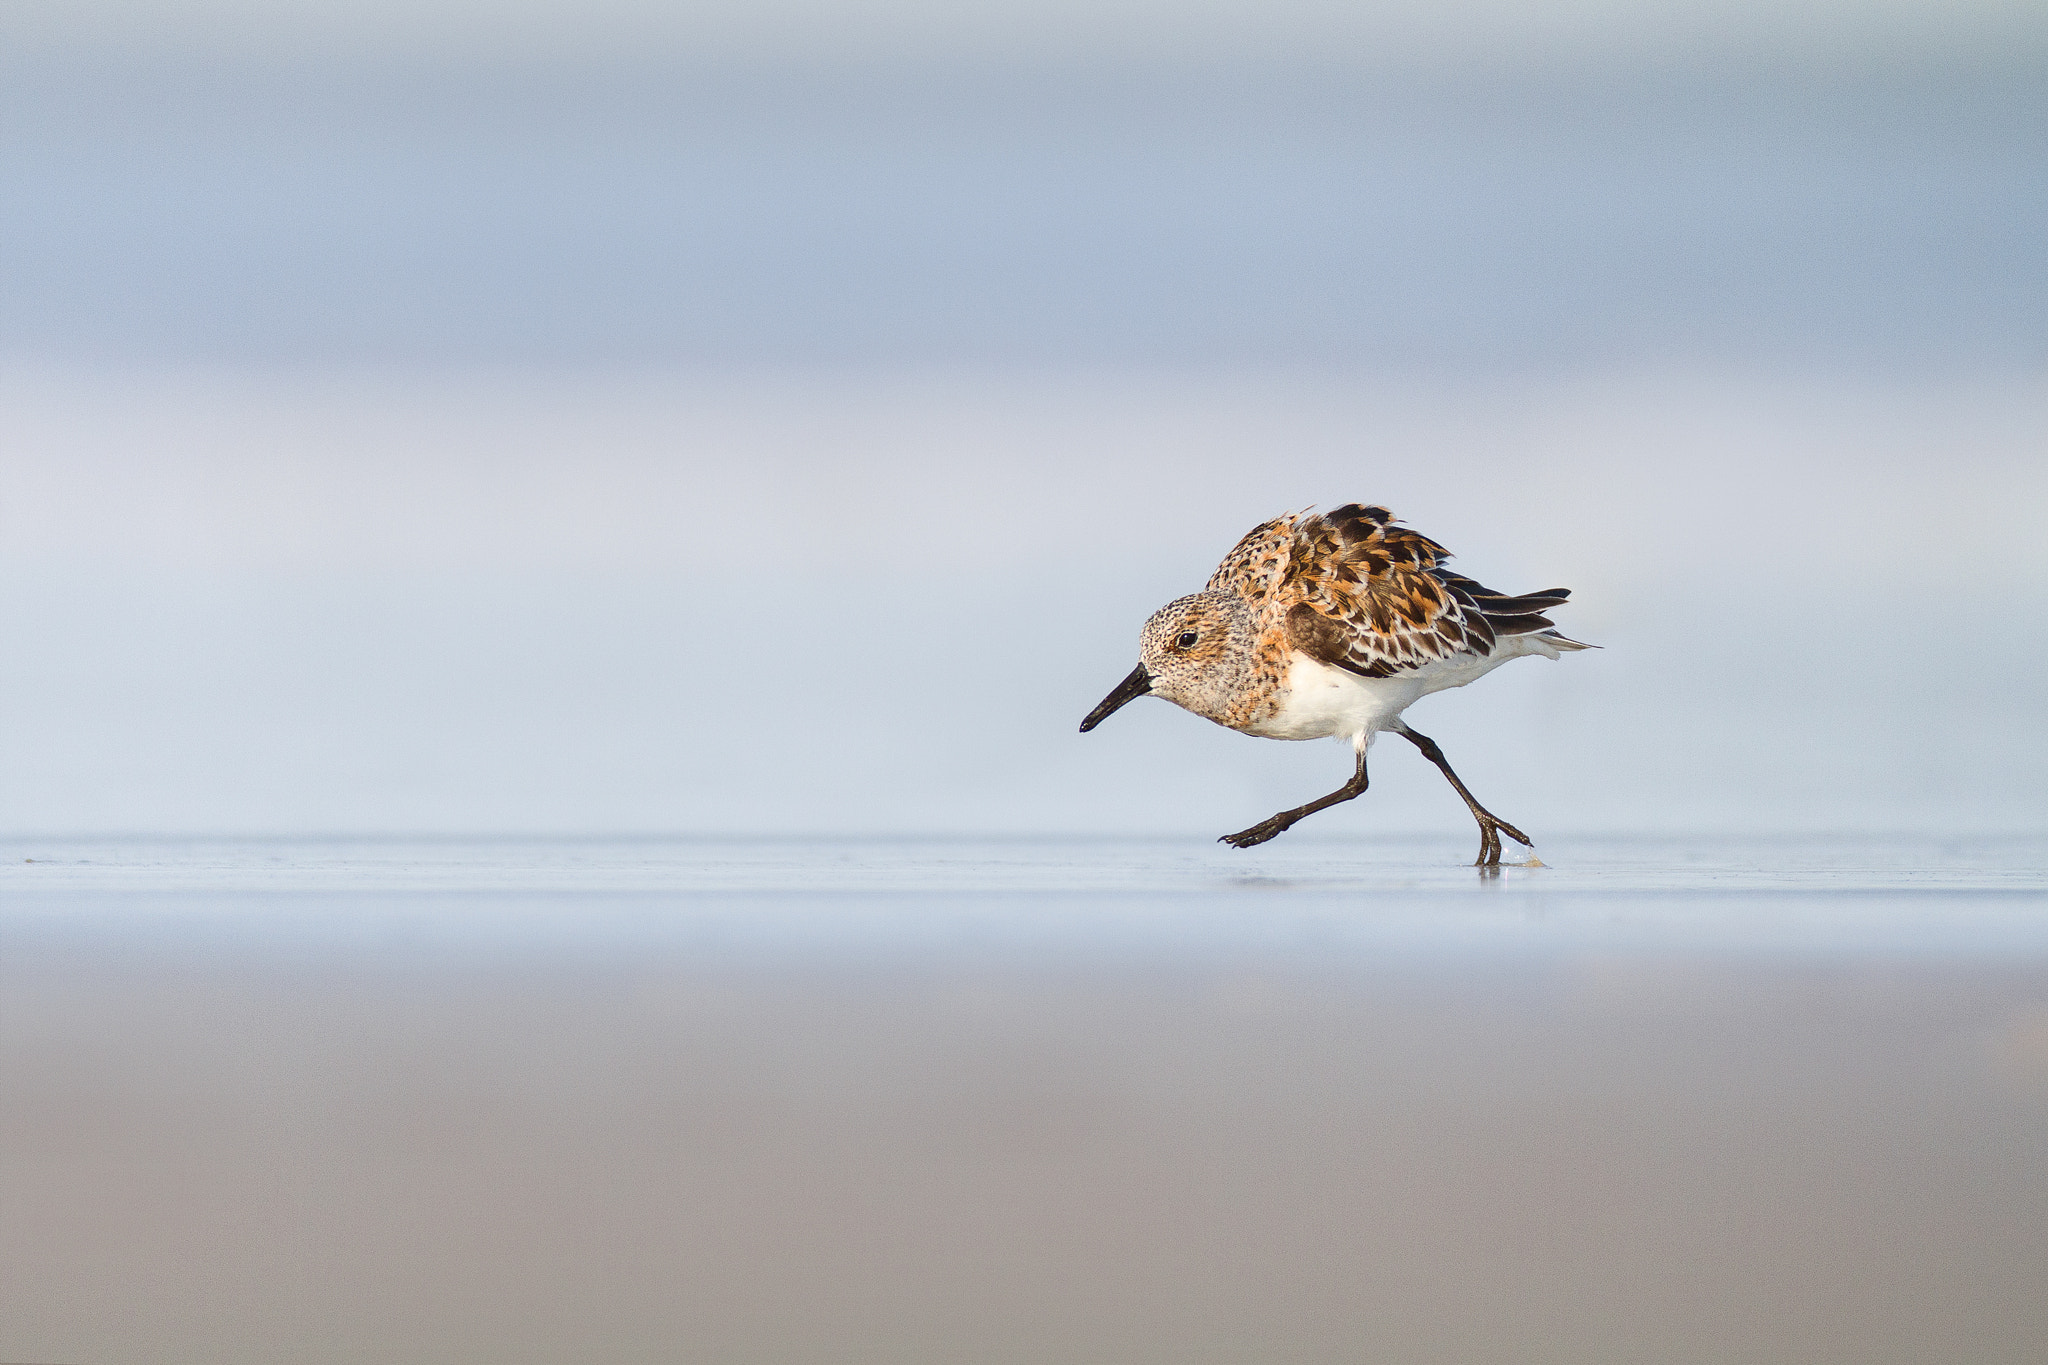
631 1101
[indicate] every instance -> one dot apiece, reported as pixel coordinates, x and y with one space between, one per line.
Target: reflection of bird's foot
1491 827
1257 834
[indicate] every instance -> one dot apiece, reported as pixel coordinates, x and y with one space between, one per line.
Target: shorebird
1322 625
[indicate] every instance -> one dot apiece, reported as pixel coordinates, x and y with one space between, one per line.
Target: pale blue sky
1366 31
1125 184
782 417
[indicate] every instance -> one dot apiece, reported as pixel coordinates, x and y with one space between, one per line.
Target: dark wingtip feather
1525 624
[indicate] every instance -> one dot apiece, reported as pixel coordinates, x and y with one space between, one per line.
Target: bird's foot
1491 827
1258 834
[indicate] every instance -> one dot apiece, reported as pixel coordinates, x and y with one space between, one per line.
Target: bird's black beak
1137 685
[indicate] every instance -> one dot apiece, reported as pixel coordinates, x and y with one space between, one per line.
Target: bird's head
1195 652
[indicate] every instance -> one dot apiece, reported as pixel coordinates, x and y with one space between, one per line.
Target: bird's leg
1277 825
1491 826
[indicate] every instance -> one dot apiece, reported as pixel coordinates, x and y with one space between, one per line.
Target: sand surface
647 1100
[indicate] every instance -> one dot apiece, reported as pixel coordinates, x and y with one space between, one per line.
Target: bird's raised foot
1266 829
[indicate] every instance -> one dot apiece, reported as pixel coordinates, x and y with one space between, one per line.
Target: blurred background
780 417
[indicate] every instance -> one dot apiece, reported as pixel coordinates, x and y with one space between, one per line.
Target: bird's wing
1357 590
1257 565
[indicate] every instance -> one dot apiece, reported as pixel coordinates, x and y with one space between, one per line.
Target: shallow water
638 1100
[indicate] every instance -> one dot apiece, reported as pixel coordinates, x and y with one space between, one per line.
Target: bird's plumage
1333 624
1356 590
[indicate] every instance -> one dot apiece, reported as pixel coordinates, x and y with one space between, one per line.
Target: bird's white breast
1322 701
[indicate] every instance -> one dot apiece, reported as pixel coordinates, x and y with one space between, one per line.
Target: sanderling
1331 625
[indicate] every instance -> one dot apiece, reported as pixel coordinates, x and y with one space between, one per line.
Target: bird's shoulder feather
1355 589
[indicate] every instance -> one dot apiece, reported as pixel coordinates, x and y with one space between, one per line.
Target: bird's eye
1186 640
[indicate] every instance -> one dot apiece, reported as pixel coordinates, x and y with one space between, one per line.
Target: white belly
1323 701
